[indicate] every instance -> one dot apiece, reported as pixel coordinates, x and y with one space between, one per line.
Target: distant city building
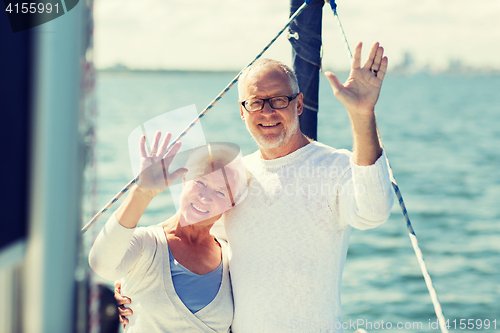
406 66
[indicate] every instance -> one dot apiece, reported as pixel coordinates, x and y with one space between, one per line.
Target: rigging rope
334 8
193 123
411 232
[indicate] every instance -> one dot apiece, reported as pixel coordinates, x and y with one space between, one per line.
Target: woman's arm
131 210
116 250
118 246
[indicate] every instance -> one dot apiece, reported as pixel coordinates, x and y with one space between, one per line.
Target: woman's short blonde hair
216 156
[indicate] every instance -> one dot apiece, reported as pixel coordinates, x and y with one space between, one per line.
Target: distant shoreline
164 71
463 72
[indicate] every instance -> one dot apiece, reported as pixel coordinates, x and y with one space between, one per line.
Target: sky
227 34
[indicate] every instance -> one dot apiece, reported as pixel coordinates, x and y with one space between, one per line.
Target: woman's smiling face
205 198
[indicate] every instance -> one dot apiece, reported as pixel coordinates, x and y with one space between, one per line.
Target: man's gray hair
271 63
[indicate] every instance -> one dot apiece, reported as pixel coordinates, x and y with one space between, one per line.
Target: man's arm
367 196
373 196
359 94
123 312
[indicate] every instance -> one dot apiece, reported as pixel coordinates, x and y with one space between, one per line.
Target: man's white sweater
288 239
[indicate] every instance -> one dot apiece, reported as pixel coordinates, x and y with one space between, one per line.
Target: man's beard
275 142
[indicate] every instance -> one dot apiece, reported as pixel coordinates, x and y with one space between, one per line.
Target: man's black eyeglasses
278 102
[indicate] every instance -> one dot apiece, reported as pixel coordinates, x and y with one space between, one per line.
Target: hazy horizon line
397 71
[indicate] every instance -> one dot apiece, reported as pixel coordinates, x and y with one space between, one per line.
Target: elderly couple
281 268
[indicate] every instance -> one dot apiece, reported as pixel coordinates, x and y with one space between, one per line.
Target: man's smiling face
271 128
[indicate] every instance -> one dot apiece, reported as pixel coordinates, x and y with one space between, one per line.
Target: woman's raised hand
154 175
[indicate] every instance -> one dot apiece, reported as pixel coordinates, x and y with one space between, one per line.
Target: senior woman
176 272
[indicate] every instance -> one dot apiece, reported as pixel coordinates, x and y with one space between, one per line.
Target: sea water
441 134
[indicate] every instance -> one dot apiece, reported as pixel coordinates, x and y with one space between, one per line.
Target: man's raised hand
360 92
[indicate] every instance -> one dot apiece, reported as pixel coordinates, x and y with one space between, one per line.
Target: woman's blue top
195 291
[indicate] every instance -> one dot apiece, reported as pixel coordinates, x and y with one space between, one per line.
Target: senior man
288 239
